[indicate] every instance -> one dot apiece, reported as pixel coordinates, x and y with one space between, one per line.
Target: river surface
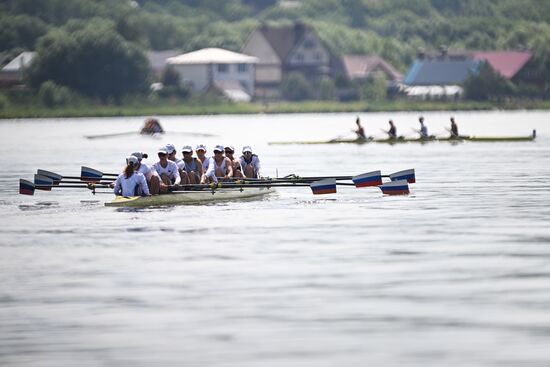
455 274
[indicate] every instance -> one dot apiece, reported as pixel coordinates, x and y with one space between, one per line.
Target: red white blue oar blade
326 186
54 176
373 178
399 187
26 187
90 175
407 174
43 182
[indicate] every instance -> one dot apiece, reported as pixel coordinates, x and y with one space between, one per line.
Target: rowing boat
428 139
190 197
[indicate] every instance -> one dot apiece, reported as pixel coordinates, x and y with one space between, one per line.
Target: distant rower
454 128
151 126
423 129
360 131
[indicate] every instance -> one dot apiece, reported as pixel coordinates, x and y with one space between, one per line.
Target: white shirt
205 164
127 186
147 171
254 162
171 170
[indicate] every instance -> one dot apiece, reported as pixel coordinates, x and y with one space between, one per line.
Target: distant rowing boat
416 140
153 135
190 197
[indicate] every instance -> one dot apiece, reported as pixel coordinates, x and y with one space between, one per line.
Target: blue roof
441 72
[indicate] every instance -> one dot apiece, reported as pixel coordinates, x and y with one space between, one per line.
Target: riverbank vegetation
91 54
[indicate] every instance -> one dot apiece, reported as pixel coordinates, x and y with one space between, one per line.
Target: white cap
138 155
247 149
230 147
131 160
170 148
219 148
162 150
187 149
200 147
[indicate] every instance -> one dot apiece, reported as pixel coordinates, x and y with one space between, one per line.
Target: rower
454 129
167 171
423 129
219 166
190 166
201 155
235 162
250 163
151 176
392 132
360 131
151 126
171 149
129 182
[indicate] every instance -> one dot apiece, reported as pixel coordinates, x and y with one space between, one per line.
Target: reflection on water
457 273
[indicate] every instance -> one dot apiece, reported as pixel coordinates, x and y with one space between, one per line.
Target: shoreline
173 109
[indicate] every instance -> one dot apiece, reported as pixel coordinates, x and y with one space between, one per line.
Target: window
317 56
242 68
299 57
223 68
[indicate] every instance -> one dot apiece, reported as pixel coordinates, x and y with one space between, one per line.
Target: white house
217 68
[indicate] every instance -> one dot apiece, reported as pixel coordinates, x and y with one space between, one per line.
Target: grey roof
283 38
441 72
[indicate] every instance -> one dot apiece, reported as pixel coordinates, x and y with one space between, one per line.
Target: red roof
506 63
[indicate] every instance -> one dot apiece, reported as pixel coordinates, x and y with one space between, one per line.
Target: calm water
455 274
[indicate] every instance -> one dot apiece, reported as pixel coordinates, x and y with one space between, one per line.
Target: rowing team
140 179
392 131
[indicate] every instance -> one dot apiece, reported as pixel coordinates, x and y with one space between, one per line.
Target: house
506 63
284 49
230 72
363 67
441 75
12 73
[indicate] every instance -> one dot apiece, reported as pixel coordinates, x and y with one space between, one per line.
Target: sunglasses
162 154
229 151
217 152
187 152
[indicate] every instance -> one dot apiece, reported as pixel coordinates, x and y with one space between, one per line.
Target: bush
51 94
296 88
4 102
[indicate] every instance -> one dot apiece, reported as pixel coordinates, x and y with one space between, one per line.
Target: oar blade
26 187
407 174
322 187
43 182
373 178
398 187
54 176
88 174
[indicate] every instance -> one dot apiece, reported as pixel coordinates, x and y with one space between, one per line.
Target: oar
101 136
27 188
41 180
92 175
374 178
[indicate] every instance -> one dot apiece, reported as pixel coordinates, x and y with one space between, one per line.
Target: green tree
95 61
327 90
295 87
51 94
487 85
20 31
374 89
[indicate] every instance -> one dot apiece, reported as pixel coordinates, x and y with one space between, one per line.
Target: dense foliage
393 29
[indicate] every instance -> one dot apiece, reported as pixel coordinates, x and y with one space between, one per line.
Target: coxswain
235 162
360 131
392 132
423 131
190 166
250 163
130 182
219 166
454 129
167 171
151 176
